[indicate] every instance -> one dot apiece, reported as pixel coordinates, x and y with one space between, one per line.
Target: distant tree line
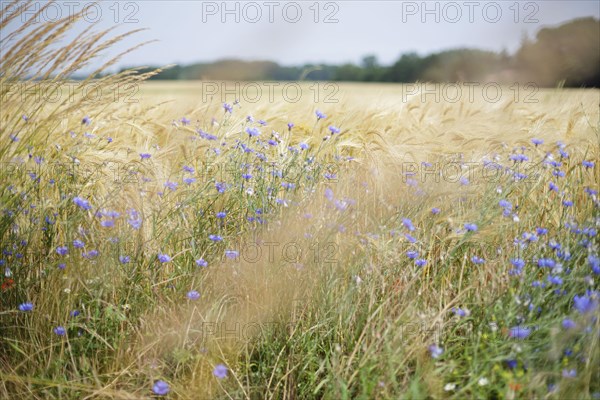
567 55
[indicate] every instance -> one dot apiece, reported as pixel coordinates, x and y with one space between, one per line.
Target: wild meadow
158 244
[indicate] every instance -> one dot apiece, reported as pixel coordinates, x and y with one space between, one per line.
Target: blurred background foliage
567 55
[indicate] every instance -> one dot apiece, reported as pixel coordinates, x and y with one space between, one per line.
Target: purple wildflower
435 351
220 371
82 203
161 388
201 262
584 304
60 331
469 227
519 332
193 295
163 258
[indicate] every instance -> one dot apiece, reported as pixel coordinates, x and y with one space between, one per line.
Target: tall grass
323 298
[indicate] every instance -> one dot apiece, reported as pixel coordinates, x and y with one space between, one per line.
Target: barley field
363 242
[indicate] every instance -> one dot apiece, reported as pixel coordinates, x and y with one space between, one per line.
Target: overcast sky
322 32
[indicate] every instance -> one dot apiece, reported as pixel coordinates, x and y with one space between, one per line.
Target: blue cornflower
206 135
329 194
189 181
134 220
86 120
554 163
470 227
107 223
189 169
408 224
78 244
519 332
221 187
161 388
554 245
477 260
541 231
530 237
201 262
163 258
519 157
567 203
460 312
563 255
588 164
145 156
215 238
290 125
193 295
303 146
410 238
25 307
220 371
563 153
505 204
221 214
546 263
594 263
62 250
435 351
537 142
82 203
228 108
251 131
60 331
320 115
568 324
124 259
334 129
171 185
435 210
569 373
555 280
412 254
232 254
584 304
91 254
420 262
553 187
